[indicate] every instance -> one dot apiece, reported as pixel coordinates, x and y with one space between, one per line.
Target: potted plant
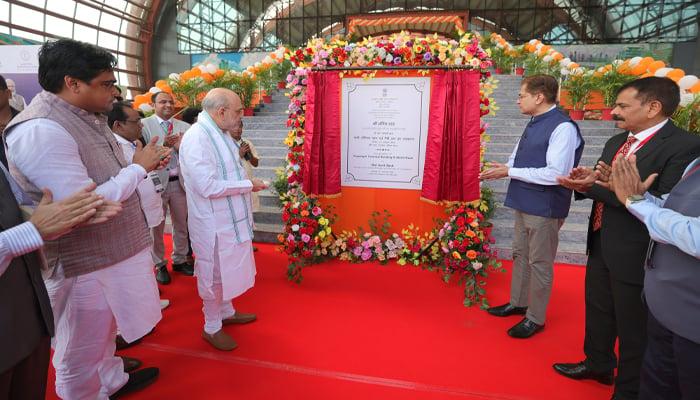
244 86
687 116
578 90
502 60
280 72
518 59
609 83
267 82
534 65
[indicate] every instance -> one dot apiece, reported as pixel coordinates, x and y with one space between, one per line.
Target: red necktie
692 171
598 212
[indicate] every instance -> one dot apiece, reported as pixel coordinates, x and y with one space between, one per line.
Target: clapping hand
54 219
173 141
580 179
105 212
152 156
627 182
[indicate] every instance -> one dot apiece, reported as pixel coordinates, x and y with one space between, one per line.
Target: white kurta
88 308
151 201
220 216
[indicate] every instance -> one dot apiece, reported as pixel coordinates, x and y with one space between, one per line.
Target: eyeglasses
109 85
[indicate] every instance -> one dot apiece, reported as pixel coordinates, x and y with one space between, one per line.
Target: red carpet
365 332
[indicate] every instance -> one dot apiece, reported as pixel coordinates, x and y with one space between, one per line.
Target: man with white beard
220 216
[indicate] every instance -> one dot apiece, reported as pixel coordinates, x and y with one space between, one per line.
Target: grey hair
214 100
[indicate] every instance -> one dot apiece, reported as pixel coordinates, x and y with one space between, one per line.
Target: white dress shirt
644 135
151 201
48 156
561 154
174 169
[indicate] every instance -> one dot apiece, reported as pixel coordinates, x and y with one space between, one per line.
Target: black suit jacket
624 238
25 310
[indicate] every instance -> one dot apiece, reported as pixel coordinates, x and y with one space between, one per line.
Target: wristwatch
635 198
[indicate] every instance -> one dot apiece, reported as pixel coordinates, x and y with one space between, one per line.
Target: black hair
3 83
154 96
663 90
67 57
117 113
545 84
190 114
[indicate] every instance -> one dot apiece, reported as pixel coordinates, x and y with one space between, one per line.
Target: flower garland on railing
308 235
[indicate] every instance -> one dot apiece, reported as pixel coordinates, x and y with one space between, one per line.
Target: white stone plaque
384 132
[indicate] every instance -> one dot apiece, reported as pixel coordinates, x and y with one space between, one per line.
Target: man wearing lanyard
617 241
170 131
672 358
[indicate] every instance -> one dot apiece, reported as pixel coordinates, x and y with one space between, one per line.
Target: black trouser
614 310
671 369
27 379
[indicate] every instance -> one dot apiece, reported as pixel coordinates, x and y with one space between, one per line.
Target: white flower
146 108
389 58
547 58
564 71
686 98
539 46
174 76
295 228
565 62
477 265
211 68
532 41
154 90
617 63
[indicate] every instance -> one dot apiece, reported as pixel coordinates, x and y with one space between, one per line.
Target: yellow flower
456 255
323 221
322 234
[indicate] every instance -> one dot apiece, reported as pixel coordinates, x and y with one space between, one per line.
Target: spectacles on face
107 85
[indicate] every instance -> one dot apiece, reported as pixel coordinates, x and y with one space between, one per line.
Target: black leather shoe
123 344
184 268
162 275
506 310
524 329
137 381
130 364
581 371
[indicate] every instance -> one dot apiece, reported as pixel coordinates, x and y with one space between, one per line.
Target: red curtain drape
321 171
452 156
